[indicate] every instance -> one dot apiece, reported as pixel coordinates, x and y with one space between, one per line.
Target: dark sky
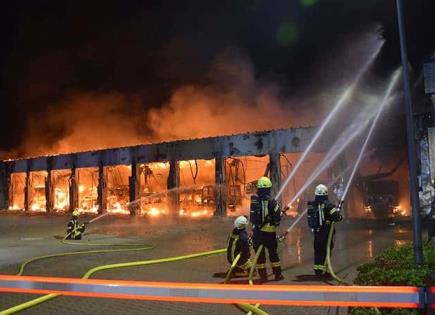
149 48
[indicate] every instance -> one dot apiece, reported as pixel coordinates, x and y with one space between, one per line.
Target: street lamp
416 224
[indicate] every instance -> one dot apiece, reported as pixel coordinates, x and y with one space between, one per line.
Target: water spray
343 98
345 139
99 217
393 82
333 153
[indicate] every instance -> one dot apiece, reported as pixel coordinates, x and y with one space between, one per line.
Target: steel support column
27 190
173 184
73 190
134 189
275 173
220 187
49 191
102 190
4 186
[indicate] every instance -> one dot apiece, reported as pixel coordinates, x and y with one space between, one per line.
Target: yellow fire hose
251 274
247 307
328 257
230 271
328 262
90 272
100 251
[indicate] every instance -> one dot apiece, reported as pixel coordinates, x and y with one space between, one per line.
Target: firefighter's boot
263 274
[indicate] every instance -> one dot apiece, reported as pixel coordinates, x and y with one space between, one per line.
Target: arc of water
342 100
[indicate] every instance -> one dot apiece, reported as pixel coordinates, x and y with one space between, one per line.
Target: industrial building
208 176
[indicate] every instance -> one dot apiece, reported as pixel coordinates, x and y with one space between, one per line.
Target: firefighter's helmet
241 222
76 213
321 190
264 182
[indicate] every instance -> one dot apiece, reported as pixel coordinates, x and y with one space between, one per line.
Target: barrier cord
92 271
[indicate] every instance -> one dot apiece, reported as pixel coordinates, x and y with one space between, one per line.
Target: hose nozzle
340 204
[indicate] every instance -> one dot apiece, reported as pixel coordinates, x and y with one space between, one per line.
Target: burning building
187 178
194 178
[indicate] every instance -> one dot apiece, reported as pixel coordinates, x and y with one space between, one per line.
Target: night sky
149 48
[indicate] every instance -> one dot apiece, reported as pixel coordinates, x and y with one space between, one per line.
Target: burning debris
189 188
60 181
87 181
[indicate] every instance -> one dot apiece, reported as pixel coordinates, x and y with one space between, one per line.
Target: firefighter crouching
238 243
321 214
265 216
74 228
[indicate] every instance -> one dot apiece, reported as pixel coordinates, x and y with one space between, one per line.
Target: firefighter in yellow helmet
74 228
238 243
265 216
321 213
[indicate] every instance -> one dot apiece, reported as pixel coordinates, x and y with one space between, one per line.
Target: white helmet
321 190
241 222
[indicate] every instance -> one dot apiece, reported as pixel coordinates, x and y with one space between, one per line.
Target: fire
93 209
154 212
159 165
194 214
199 213
399 211
292 213
184 164
14 207
37 207
198 199
61 201
117 208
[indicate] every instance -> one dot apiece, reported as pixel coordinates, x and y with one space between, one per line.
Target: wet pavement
24 237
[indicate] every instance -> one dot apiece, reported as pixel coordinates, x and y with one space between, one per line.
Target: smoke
231 100
234 101
84 121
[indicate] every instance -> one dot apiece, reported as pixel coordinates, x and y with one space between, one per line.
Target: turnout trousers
269 242
320 247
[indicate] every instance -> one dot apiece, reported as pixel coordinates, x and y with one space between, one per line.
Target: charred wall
135 168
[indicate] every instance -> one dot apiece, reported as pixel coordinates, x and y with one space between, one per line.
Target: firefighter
265 216
238 243
321 214
74 228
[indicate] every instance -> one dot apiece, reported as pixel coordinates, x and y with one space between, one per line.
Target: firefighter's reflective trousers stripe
269 242
320 246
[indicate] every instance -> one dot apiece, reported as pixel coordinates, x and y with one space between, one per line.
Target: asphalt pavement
24 237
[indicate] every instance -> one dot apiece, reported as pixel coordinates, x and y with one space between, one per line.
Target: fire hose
247 307
92 271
